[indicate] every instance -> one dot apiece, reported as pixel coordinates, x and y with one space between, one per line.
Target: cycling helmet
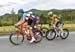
30 12
50 13
20 11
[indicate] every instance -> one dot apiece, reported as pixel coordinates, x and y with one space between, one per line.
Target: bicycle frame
29 37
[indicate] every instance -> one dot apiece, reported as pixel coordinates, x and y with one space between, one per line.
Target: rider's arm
20 22
52 21
38 20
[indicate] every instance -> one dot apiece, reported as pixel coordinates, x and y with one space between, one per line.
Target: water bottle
27 32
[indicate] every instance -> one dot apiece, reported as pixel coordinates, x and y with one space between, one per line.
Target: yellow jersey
54 20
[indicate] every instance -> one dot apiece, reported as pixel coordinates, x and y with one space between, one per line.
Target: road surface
56 45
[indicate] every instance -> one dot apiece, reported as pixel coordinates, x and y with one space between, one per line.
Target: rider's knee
25 24
31 28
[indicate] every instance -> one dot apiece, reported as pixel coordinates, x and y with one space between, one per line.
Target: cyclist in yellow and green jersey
55 20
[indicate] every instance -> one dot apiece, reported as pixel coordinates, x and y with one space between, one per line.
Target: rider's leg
57 32
55 28
32 34
57 25
31 31
25 26
61 29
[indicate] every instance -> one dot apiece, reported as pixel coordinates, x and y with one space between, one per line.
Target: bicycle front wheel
16 40
65 34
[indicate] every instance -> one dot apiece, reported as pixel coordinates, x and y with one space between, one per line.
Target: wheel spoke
65 34
50 35
38 37
16 40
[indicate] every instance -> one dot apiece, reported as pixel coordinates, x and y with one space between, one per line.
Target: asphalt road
56 45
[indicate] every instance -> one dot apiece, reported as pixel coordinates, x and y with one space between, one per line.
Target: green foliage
67 16
8 19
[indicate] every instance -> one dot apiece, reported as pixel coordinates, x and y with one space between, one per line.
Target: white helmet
50 13
54 15
30 12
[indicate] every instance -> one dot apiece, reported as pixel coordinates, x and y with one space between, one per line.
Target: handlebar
17 28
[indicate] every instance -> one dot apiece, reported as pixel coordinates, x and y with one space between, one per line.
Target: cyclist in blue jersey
28 19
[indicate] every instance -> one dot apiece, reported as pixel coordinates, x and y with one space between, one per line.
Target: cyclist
29 19
55 21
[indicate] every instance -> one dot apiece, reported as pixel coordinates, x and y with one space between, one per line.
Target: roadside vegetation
67 16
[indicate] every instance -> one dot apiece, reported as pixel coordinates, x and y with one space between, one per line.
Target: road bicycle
53 33
17 38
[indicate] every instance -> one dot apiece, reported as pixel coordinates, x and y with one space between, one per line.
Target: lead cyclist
29 20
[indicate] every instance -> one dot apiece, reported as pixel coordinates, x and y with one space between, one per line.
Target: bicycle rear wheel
44 30
50 35
16 40
38 36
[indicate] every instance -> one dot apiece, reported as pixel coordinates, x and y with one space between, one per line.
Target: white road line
4 37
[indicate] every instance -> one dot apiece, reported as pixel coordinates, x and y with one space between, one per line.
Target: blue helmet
20 11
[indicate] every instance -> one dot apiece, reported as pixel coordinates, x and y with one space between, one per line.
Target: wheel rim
16 40
65 34
51 35
37 37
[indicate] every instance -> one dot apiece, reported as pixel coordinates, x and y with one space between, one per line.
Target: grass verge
5 29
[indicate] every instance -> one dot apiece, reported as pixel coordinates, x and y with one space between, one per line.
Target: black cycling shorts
32 23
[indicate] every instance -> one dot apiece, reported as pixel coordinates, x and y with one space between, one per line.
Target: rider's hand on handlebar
15 25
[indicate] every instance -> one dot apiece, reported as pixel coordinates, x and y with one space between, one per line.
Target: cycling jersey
24 15
32 19
33 22
54 19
